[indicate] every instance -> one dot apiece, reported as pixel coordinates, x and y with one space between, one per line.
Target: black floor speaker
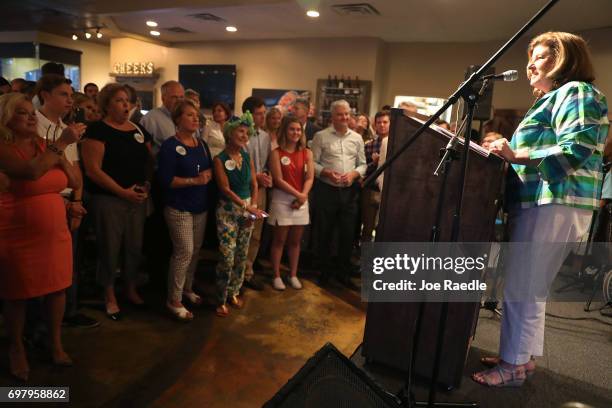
330 380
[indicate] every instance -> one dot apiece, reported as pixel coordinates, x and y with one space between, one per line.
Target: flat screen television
213 82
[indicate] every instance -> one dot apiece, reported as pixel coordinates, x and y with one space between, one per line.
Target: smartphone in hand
79 116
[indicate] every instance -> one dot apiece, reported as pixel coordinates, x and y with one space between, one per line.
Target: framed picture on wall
214 83
282 98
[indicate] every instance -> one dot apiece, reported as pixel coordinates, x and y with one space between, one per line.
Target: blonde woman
35 244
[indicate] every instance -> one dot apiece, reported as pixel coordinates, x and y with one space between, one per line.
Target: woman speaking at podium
556 155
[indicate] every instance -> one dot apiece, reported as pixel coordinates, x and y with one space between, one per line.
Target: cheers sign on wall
133 68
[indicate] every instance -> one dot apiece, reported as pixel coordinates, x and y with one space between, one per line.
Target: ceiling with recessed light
390 20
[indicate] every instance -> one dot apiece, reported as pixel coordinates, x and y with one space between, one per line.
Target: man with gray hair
158 121
339 159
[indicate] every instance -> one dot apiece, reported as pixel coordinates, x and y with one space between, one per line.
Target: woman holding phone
293 174
237 209
118 164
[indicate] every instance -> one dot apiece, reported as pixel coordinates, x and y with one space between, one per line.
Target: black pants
336 208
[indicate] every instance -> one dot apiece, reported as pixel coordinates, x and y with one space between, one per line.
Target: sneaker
81 321
295 282
254 284
278 284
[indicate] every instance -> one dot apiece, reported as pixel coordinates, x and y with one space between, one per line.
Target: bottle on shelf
328 84
335 83
356 86
348 82
341 83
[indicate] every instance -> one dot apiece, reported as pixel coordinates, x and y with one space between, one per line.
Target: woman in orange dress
35 244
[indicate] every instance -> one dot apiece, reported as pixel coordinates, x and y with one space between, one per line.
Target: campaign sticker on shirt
139 137
181 150
285 161
230 165
309 144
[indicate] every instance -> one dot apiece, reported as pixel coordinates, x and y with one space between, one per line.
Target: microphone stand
464 91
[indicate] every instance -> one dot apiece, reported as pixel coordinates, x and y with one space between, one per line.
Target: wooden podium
407 214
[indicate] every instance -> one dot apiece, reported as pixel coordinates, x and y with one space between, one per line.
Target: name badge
285 161
230 165
181 150
139 138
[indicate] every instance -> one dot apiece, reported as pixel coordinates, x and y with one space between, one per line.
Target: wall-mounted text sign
133 68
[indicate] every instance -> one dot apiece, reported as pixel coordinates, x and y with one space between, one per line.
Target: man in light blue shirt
158 121
259 148
339 159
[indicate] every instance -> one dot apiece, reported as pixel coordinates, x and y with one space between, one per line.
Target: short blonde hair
107 93
180 108
572 59
8 106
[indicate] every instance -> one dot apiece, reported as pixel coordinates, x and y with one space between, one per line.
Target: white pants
522 331
187 233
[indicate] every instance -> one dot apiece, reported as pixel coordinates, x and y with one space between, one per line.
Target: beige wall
95 57
421 69
94 60
425 69
276 64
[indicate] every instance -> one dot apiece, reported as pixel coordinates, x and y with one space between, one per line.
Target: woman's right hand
255 211
72 133
204 177
133 195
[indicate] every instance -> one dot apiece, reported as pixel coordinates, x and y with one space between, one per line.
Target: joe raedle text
397 272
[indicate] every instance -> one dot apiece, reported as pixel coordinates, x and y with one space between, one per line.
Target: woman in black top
117 158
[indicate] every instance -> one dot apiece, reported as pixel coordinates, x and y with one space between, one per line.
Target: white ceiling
399 20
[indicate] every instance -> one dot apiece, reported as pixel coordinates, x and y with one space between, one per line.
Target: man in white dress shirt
339 158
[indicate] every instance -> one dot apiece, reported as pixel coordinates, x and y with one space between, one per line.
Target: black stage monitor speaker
330 380
483 109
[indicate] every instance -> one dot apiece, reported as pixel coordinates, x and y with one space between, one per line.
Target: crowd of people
65 156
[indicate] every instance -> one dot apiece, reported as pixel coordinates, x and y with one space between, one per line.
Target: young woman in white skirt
292 169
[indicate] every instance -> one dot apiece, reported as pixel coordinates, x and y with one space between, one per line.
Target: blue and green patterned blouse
566 128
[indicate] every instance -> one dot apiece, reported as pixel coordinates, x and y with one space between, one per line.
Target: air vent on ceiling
177 30
355 9
207 17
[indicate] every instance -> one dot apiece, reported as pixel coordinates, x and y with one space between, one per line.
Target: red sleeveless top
293 167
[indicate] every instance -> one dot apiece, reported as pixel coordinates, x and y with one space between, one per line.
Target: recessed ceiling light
155 33
75 37
312 13
151 23
88 35
231 29
98 33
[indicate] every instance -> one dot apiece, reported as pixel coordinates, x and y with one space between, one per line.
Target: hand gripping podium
407 214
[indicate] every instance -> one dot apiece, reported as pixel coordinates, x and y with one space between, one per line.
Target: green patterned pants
234 235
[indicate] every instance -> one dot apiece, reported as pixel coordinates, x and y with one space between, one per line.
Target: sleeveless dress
35 244
293 168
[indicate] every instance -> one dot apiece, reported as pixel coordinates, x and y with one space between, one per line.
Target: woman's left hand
255 211
502 148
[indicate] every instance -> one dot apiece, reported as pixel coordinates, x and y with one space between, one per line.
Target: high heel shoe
222 311
20 370
62 361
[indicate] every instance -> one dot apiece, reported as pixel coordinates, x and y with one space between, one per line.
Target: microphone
510 75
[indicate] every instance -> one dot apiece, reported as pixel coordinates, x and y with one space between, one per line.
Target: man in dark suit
300 110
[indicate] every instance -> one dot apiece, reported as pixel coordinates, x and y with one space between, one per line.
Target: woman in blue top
184 171
556 154
235 176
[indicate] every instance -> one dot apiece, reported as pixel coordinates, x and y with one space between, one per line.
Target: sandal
193 298
236 301
222 311
530 366
180 313
517 376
